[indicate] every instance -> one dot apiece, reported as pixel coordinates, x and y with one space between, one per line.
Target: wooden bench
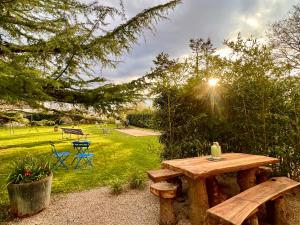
170 176
166 193
73 131
245 205
162 175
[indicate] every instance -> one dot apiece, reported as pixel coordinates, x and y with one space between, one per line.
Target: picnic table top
202 167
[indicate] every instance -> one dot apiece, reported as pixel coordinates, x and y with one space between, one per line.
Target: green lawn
116 156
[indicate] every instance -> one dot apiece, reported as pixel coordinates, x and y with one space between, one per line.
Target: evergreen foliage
47 49
141 119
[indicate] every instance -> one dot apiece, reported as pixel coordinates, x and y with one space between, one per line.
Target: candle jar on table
216 150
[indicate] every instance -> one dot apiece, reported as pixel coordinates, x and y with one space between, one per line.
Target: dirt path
138 132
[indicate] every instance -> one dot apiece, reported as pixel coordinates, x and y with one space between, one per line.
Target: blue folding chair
60 156
81 146
87 157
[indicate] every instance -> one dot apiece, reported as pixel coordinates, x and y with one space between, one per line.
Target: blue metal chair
88 157
82 148
60 156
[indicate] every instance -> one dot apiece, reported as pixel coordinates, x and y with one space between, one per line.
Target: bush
29 169
141 119
65 120
116 187
255 109
42 116
137 181
15 119
42 123
110 120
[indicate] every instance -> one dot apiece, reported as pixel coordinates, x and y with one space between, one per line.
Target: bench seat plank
72 131
163 189
162 174
238 208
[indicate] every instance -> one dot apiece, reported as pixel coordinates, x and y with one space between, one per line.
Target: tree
202 50
166 78
59 40
285 36
258 108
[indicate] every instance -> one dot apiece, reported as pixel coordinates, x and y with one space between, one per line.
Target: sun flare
213 82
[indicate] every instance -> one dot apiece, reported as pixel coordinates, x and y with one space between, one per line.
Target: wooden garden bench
166 193
72 131
170 176
245 205
162 175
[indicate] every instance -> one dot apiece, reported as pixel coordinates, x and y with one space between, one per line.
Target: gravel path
99 207
138 132
132 207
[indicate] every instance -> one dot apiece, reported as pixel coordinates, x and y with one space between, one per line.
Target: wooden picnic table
200 172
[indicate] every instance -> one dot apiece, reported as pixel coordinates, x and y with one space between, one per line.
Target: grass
116 156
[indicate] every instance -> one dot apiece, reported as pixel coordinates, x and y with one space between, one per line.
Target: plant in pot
29 186
55 128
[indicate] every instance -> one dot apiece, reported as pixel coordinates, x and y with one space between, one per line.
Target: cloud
217 19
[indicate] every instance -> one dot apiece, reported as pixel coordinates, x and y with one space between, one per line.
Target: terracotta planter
29 198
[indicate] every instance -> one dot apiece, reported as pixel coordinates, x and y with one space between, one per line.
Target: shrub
110 120
116 187
29 169
15 119
42 123
137 181
65 120
42 116
255 109
141 119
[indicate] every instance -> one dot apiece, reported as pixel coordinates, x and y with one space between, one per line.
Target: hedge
143 119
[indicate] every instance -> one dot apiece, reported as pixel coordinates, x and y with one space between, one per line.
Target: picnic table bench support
166 193
249 178
215 194
278 213
198 200
166 211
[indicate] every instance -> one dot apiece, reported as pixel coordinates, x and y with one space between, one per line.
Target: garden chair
60 156
87 157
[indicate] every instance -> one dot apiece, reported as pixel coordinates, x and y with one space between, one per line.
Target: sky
217 19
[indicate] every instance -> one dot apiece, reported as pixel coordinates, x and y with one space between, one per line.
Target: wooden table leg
198 200
246 179
263 174
215 196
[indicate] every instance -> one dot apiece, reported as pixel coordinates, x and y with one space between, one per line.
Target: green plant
42 123
29 169
141 119
137 181
116 187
